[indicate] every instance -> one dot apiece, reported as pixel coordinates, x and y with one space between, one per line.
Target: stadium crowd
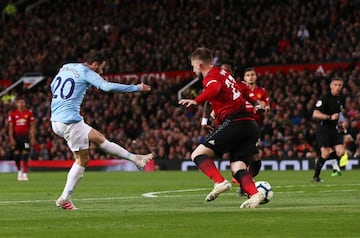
150 36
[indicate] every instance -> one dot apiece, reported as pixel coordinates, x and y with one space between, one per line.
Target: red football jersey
21 121
226 96
261 95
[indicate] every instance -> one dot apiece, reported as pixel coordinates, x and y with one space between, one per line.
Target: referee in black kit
329 128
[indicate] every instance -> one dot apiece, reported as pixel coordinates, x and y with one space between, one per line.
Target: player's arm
319 108
11 132
266 100
206 114
248 94
342 123
144 87
118 87
211 90
250 97
317 114
32 133
100 83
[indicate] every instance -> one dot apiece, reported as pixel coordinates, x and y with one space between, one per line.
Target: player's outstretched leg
142 160
115 149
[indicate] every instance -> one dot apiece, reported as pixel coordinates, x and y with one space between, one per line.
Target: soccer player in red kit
260 94
227 65
227 98
22 135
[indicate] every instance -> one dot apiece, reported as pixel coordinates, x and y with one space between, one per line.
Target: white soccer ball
266 189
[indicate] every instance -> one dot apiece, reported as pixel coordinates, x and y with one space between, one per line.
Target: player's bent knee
82 157
202 150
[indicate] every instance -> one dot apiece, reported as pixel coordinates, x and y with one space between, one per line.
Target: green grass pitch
112 204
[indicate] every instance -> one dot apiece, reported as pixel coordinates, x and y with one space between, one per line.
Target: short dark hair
336 79
94 56
228 62
203 54
247 69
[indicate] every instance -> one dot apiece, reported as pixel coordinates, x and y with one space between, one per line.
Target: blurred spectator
303 33
8 98
349 144
357 144
10 9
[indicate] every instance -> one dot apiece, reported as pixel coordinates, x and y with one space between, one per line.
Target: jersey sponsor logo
21 122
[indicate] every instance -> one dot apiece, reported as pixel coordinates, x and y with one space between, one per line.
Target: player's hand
144 87
12 142
342 128
208 128
187 102
260 106
334 116
33 142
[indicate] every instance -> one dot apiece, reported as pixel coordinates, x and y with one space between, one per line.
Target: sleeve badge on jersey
318 103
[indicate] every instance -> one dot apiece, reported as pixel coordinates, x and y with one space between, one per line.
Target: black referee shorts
238 137
328 137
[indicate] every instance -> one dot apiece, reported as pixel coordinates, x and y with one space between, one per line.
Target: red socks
207 166
25 166
246 182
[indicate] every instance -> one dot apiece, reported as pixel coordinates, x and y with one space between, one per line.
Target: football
265 188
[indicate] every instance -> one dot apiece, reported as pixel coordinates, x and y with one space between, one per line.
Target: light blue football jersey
69 87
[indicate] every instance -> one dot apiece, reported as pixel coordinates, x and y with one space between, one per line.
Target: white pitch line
162 194
148 195
24 201
80 199
316 184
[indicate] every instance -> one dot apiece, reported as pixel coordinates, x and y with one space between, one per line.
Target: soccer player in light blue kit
68 90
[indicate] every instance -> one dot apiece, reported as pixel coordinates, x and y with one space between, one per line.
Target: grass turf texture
111 205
